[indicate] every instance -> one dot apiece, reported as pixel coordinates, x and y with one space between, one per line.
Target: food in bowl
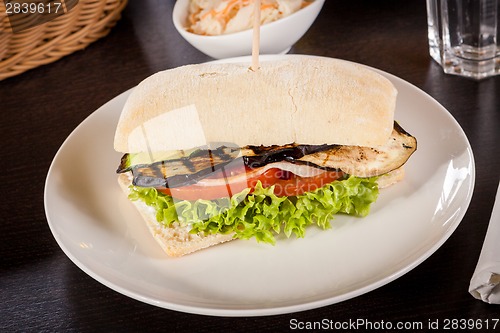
219 17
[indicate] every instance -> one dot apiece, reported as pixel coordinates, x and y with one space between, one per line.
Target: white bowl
275 37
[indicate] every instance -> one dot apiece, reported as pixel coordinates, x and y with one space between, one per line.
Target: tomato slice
285 182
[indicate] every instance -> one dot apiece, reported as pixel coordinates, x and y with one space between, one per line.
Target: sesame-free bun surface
305 100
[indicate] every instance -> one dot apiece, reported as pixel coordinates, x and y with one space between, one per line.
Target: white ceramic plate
100 231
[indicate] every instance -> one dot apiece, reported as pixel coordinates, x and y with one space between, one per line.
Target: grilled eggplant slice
365 161
181 171
201 163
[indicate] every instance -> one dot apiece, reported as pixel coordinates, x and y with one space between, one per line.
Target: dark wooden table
42 290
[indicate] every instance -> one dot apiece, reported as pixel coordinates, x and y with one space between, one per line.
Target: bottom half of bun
177 241
391 178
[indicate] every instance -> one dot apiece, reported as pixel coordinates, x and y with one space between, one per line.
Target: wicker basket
88 21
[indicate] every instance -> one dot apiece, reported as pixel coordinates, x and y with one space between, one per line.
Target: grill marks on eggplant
259 156
202 163
185 170
353 160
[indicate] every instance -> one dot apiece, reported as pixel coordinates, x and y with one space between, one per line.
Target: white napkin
485 282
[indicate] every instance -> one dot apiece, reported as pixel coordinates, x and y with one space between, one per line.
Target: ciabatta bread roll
216 152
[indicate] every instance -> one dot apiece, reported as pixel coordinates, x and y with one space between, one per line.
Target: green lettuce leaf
262 214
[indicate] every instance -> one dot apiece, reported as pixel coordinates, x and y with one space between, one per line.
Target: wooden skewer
256 36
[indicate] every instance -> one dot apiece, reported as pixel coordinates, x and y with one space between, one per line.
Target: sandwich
217 152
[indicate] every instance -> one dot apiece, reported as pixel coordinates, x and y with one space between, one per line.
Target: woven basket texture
88 21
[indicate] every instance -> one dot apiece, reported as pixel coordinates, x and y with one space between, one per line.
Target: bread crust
391 178
304 100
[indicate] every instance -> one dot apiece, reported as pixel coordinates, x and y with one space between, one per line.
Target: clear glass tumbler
464 36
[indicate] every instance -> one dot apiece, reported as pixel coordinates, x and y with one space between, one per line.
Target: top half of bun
304 100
